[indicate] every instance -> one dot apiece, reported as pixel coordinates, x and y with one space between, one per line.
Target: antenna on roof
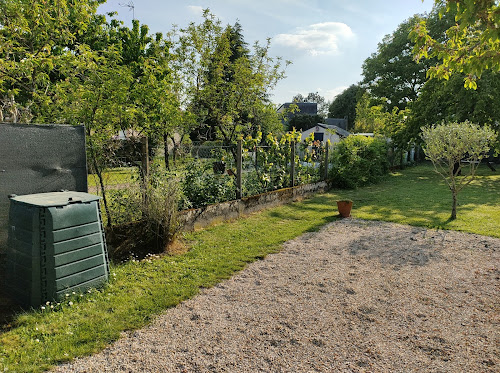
131 7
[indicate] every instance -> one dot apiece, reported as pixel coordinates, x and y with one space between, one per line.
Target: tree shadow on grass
297 211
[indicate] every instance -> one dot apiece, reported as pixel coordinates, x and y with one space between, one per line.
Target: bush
145 215
358 160
201 186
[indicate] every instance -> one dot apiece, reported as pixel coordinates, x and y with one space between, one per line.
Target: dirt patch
136 240
357 296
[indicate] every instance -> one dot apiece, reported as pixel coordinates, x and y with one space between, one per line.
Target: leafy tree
36 42
302 122
391 72
451 101
225 86
449 145
472 45
344 105
371 116
375 118
323 104
119 80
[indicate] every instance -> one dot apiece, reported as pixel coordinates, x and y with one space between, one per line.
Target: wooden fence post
292 164
239 169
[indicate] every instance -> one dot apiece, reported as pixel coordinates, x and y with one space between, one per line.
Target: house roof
309 108
339 131
339 122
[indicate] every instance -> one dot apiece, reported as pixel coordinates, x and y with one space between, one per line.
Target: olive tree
456 147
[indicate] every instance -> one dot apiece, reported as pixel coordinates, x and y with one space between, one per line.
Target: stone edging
194 219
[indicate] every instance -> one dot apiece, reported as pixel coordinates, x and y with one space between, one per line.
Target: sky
326 40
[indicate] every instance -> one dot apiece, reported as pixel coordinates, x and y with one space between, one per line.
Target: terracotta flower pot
344 207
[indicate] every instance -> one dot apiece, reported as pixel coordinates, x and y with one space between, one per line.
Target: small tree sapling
454 148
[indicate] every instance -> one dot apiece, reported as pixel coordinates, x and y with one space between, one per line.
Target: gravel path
357 296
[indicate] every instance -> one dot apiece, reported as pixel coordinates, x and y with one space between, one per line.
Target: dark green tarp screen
37 159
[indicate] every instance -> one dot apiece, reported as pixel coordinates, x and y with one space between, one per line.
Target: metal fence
210 172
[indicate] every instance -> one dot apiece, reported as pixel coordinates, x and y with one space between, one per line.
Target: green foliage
37 43
224 84
344 105
68 65
472 43
270 160
357 161
373 118
450 101
201 186
448 145
370 116
302 122
391 73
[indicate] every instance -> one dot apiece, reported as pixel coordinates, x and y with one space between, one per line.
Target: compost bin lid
55 199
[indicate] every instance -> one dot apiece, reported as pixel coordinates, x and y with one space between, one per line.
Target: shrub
147 214
201 186
358 160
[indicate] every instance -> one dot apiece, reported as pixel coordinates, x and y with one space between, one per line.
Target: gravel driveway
357 296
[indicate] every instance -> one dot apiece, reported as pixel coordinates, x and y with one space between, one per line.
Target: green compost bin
55 245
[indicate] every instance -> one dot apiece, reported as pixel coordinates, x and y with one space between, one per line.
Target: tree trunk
454 205
98 171
174 150
103 191
167 155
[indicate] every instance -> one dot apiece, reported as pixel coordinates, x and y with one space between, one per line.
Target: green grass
115 176
140 290
419 196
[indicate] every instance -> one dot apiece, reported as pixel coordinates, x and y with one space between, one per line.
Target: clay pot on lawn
344 207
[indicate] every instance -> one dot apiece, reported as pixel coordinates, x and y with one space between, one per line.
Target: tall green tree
315 97
37 39
392 71
371 116
450 101
69 65
472 43
344 105
223 84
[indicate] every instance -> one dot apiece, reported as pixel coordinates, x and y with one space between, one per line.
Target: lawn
419 196
114 176
86 323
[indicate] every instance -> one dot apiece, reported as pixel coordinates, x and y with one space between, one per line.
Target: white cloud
319 38
196 10
330 94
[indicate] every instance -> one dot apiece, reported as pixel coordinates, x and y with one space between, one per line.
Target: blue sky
327 40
